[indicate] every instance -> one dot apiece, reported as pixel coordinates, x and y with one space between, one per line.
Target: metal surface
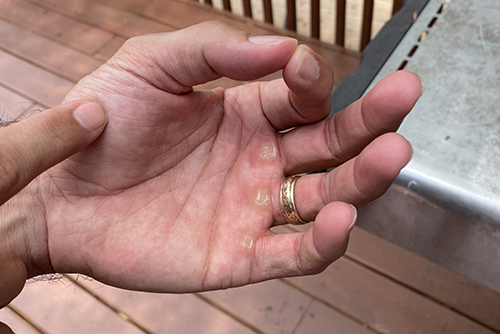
446 202
375 54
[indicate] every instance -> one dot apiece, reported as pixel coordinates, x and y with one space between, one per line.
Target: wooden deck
46 46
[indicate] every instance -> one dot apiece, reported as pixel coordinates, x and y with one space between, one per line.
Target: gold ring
287 201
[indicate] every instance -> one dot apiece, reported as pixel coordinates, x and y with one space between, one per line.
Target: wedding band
287 201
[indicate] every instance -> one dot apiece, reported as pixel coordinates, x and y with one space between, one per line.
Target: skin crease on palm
180 191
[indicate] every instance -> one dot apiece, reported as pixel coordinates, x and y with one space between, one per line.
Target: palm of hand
180 191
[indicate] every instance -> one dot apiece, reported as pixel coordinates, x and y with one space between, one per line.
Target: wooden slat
319 319
268 11
108 18
42 87
275 308
457 292
366 29
396 5
15 323
63 308
340 25
227 5
247 8
50 55
59 28
382 304
169 313
315 31
291 15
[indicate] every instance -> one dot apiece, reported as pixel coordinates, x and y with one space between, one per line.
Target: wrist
23 229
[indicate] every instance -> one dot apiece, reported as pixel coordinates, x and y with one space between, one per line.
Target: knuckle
333 142
215 25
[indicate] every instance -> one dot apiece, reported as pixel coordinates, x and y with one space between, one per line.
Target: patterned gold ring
287 201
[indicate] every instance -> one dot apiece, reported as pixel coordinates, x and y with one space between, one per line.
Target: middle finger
335 140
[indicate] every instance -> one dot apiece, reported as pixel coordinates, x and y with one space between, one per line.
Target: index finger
33 145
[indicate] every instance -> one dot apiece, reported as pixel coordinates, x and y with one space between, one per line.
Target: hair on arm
5 120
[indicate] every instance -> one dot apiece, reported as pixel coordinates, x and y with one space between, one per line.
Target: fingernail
423 86
355 216
268 40
91 116
308 68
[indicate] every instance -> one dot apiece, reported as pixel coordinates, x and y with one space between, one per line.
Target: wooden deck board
31 81
61 307
164 313
319 318
178 15
15 322
275 308
56 58
47 45
108 18
60 28
271 306
455 291
382 304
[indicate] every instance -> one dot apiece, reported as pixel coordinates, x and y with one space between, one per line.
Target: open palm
181 190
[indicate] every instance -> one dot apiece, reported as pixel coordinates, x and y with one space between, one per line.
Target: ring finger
358 181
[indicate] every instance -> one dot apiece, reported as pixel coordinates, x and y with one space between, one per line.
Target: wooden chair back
291 17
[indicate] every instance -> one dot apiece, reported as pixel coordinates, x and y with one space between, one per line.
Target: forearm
23 229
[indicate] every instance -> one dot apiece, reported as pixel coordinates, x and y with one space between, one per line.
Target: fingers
178 60
321 198
35 144
310 252
12 276
340 138
358 181
304 94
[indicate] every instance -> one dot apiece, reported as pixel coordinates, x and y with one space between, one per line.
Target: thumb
30 147
202 53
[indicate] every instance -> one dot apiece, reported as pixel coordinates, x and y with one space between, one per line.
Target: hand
12 278
181 190
26 150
